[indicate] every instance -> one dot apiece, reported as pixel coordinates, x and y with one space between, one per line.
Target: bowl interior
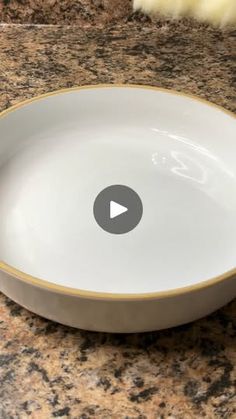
178 154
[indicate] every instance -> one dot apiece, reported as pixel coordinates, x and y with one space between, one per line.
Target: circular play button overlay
118 209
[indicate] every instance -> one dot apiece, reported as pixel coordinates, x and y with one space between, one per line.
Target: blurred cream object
217 12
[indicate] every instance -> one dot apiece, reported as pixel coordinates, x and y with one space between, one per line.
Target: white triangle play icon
116 209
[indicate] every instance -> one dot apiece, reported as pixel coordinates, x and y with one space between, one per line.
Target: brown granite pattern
65 12
184 56
48 370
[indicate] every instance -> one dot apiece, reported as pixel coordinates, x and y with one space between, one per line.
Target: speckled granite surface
178 55
47 370
87 12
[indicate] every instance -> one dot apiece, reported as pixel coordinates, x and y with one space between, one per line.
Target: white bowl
58 151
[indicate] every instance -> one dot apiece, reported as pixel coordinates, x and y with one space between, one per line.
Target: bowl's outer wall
120 316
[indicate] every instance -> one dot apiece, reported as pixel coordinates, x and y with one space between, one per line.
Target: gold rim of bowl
50 286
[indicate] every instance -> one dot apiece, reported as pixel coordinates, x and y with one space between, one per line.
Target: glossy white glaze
178 154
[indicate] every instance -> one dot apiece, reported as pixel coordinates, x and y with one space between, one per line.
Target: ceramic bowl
178 153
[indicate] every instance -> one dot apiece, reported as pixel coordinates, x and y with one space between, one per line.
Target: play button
118 209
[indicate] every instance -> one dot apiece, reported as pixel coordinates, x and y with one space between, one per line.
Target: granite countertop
48 370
